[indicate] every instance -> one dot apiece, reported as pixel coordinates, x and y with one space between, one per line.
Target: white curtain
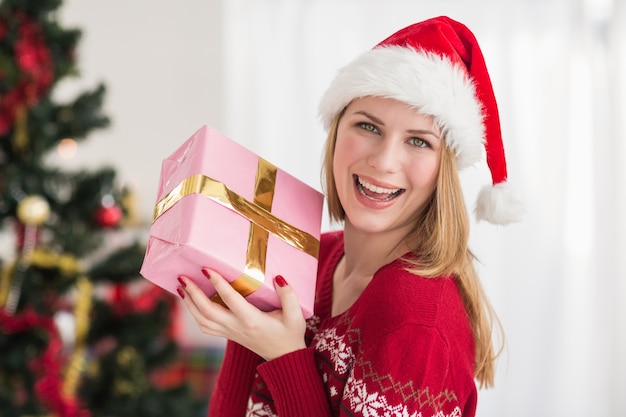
558 279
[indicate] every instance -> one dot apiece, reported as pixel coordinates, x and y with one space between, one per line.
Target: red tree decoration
35 69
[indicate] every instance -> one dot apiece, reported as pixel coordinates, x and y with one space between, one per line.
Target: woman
401 324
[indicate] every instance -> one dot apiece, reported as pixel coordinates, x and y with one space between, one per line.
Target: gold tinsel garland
20 133
77 360
68 266
132 382
5 284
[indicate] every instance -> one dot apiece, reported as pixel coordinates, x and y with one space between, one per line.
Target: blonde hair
440 239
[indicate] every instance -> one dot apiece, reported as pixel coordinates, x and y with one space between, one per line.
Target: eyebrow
411 131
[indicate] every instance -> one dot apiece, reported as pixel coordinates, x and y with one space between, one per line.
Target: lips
374 192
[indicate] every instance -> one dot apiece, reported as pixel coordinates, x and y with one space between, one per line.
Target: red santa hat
437 67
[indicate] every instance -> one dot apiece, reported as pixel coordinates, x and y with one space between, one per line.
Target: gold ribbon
5 283
78 358
67 265
258 212
20 132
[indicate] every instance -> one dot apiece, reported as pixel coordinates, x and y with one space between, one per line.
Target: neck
366 253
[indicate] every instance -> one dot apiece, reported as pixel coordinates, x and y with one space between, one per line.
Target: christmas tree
81 333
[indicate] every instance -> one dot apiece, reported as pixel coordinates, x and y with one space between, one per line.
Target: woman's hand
268 334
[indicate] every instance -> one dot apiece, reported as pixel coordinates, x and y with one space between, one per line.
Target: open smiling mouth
376 193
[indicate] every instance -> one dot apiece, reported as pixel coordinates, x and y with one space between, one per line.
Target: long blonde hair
440 240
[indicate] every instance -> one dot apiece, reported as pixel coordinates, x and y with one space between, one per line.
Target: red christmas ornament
108 216
34 63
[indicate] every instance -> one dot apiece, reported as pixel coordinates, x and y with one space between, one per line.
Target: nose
384 156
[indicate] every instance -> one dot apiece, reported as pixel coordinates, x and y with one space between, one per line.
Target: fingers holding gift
292 311
269 334
229 296
210 316
239 316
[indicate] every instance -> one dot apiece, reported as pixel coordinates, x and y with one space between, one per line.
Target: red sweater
404 349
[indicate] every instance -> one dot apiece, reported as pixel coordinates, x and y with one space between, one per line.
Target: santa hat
437 67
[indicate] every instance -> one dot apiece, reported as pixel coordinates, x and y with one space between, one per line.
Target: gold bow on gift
262 221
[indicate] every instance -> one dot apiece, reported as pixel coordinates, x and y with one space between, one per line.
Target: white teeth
375 189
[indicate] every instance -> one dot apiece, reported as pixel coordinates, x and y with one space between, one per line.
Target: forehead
390 110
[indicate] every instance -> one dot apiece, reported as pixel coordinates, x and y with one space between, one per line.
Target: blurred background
255 70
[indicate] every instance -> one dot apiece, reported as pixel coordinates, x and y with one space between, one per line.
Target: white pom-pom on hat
498 204
437 67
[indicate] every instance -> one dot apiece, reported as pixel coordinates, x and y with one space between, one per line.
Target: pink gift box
221 206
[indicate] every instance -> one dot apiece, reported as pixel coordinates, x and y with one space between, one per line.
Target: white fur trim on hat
429 82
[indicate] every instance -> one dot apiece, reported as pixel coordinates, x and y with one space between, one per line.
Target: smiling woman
401 325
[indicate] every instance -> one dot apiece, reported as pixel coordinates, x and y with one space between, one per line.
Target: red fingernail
206 273
182 282
181 292
280 281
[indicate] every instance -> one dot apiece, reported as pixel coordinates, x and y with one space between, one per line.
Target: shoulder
331 249
331 242
397 299
418 299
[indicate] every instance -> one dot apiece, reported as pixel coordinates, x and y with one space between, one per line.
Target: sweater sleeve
295 384
234 382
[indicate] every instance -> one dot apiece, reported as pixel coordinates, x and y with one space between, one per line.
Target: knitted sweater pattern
403 349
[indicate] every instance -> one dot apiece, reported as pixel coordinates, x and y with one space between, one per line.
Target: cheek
344 154
343 159
426 172
340 167
350 148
